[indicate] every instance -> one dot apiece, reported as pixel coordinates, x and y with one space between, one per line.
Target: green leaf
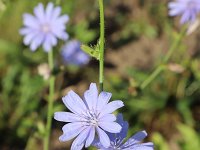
190 137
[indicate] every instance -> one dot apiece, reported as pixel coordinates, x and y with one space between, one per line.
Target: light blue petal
91 96
103 137
136 138
144 146
30 21
70 131
90 137
47 46
49 11
67 117
37 41
111 127
29 37
25 30
74 103
56 12
123 133
40 12
103 99
62 19
107 118
79 141
111 107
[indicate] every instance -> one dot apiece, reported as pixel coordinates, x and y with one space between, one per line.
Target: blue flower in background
45 27
89 116
189 10
72 53
117 140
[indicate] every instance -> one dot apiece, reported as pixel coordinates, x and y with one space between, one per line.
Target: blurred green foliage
168 108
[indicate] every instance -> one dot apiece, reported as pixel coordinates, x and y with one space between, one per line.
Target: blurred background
138 35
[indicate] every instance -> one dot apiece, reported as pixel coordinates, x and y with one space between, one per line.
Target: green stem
50 102
154 74
159 69
101 56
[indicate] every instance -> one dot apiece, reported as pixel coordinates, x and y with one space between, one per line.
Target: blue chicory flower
45 27
89 116
189 9
117 140
72 53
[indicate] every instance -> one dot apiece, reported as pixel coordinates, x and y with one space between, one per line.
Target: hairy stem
159 69
101 56
50 102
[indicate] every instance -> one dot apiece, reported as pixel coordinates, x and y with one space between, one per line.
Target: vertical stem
159 69
101 59
50 102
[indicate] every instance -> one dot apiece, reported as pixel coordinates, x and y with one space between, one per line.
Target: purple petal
111 127
29 37
138 137
71 130
91 96
124 125
103 137
60 33
36 41
143 146
97 144
111 107
39 12
52 39
79 141
49 11
30 21
47 46
74 103
185 17
66 117
123 133
90 137
25 31
63 19
56 12
103 99
107 118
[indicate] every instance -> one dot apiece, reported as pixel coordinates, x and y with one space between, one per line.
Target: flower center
114 146
45 28
92 118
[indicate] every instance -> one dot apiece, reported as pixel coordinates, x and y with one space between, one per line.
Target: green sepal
92 51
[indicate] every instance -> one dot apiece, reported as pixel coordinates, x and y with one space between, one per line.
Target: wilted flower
177 68
72 53
89 116
193 26
44 70
189 10
45 27
117 140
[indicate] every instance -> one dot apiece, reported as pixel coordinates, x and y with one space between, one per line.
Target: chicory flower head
117 140
189 9
89 116
72 53
44 27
